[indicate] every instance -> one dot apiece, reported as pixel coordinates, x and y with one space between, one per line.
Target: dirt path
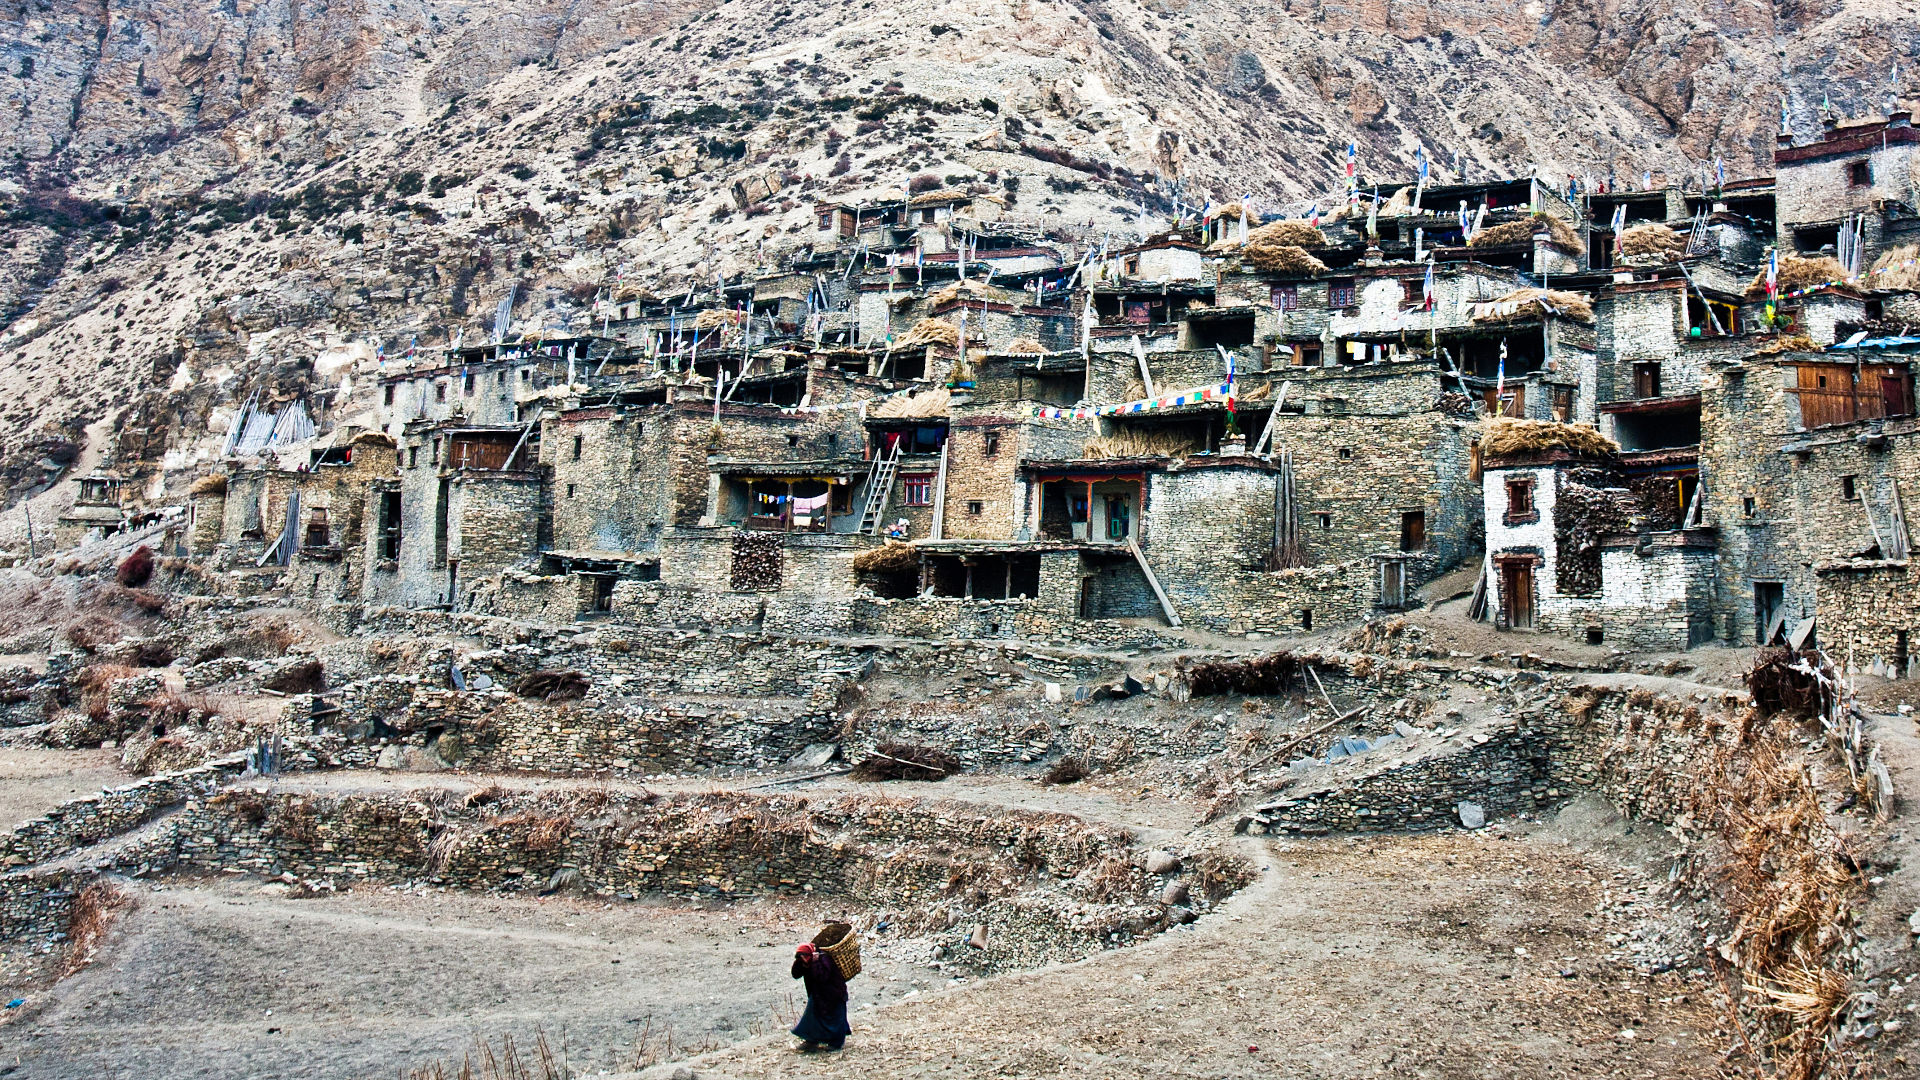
232 980
1394 957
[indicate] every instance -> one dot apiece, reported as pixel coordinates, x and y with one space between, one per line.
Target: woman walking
825 1021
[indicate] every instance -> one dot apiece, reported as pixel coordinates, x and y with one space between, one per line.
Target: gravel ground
1393 956
34 781
1435 956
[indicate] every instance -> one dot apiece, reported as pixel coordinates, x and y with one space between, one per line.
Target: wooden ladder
879 487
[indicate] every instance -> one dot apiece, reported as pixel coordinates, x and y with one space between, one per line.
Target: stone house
1808 460
1567 554
1860 173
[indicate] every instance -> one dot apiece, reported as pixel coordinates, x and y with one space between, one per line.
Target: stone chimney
1900 118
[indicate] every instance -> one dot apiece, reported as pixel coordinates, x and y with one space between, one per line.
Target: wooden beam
1166 605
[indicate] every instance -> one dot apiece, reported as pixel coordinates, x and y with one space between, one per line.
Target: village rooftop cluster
1650 418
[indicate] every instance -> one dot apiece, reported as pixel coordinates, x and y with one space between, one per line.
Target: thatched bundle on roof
211 484
931 332
926 403
713 317
1507 438
1297 233
1136 444
1787 343
943 195
1896 271
1652 241
1520 232
894 558
1798 273
1400 205
1278 258
1526 303
1027 346
374 438
972 290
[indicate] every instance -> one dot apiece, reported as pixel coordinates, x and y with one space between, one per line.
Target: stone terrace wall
1634 747
929 861
93 818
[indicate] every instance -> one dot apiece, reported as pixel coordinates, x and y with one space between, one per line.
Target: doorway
1516 594
1769 606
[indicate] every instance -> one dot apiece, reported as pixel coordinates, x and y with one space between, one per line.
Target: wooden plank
1166 605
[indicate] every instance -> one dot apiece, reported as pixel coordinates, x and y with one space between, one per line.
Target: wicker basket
841 945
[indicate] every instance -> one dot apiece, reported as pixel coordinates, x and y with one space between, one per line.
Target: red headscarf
807 950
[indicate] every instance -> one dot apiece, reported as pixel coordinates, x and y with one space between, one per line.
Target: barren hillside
203 200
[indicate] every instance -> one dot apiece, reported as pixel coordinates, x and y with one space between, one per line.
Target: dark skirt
824 1022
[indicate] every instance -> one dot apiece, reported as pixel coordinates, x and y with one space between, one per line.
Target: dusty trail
1391 957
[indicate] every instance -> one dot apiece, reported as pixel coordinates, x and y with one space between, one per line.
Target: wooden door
1516 594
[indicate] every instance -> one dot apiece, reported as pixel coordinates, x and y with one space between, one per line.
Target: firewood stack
756 562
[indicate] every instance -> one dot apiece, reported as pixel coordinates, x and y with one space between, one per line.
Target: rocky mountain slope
203 201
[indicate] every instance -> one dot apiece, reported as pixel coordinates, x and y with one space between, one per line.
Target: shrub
136 569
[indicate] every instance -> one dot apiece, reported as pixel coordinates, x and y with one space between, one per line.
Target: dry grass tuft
1132 443
1896 271
926 403
1275 673
1070 769
906 761
1520 232
1798 273
1293 233
483 1062
1788 343
1277 258
136 569
1530 302
94 910
1506 438
930 332
892 558
1652 241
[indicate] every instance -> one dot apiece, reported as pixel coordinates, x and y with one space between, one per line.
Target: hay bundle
1896 271
1521 232
1788 343
1525 303
1234 212
1798 273
1134 444
931 332
212 484
1296 233
894 558
906 761
1400 205
1652 241
1275 673
553 685
972 290
1278 258
715 317
1505 438
926 403
942 195
1027 346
